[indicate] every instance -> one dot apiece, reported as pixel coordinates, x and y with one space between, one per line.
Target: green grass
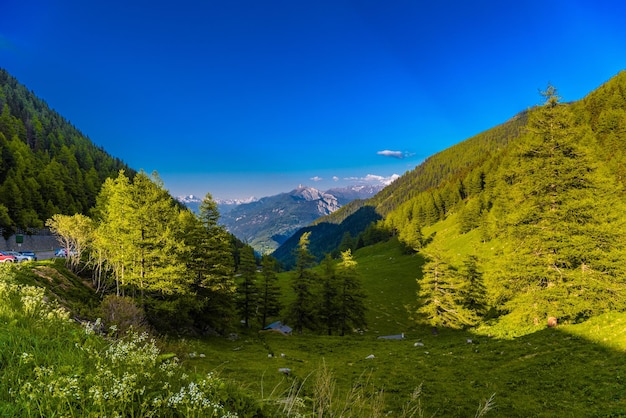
574 370
568 371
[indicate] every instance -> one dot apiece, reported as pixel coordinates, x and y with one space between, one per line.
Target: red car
5 258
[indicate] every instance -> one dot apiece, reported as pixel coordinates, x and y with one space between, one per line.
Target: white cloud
316 178
373 178
335 178
394 154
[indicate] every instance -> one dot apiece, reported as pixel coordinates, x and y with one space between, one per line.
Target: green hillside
538 205
571 370
496 270
447 166
48 166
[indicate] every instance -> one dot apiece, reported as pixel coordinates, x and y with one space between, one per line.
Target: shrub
122 313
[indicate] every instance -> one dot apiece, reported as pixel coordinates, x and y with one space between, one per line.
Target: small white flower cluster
30 302
196 396
104 377
136 349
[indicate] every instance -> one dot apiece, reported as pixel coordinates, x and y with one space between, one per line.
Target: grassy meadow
574 370
567 371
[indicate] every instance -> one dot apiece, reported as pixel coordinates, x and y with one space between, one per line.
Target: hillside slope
48 166
543 219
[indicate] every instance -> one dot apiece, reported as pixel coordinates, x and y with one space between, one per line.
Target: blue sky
251 98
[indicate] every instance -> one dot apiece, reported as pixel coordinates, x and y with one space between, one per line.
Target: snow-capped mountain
268 222
223 205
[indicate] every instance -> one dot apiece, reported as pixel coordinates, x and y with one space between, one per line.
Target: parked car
30 254
5 258
62 253
19 257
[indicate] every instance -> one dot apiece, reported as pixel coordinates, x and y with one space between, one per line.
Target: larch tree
214 268
302 310
269 291
74 233
137 236
561 217
350 295
474 292
247 290
440 295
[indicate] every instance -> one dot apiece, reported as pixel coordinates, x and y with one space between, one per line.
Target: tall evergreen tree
328 310
269 291
440 295
562 221
302 309
350 296
474 292
215 282
247 291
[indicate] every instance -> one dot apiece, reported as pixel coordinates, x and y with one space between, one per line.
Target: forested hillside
446 167
540 226
448 182
48 166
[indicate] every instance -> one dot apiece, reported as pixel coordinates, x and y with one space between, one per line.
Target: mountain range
268 222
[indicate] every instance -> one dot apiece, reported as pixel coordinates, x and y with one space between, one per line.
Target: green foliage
302 311
326 237
52 367
350 306
269 291
247 290
48 166
559 215
137 236
213 266
441 298
75 234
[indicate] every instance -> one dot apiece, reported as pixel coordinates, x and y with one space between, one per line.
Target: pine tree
328 311
440 295
247 291
561 218
350 296
269 291
214 268
474 292
302 309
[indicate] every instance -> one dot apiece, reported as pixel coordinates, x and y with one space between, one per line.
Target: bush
123 314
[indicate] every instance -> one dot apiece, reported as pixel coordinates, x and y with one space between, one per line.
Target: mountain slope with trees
48 166
445 167
543 218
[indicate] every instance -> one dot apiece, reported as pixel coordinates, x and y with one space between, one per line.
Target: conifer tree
474 292
247 291
440 295
269 292
561 216
329 312
137 236
350 296
214 267
302 310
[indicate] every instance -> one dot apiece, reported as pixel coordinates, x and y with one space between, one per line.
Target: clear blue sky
242 98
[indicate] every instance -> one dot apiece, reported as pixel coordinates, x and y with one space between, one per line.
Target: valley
496 267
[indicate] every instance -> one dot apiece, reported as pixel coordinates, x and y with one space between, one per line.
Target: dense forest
48 166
